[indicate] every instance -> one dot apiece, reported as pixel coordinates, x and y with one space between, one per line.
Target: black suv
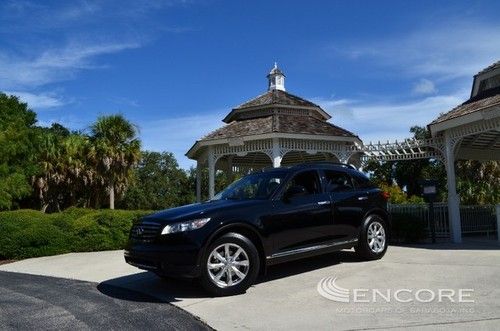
264 218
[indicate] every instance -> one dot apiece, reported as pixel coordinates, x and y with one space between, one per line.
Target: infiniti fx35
262 219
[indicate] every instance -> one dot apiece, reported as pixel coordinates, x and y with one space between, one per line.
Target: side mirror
295 191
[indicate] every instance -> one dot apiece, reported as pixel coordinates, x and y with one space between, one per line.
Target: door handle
362 198
324 203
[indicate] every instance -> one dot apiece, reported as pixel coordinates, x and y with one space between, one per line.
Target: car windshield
256 186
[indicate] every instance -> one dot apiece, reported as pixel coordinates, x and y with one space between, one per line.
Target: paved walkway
287 298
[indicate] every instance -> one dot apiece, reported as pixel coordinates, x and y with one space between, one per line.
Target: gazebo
273 129
470 131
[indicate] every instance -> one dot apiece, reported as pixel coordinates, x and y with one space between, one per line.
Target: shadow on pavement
468 243
305 265
147 287
153 287
122 293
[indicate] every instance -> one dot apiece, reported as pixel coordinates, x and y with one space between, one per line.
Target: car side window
308 179
362 182
337 181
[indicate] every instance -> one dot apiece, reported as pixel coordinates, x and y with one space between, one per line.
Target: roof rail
267 169
306 164
326 163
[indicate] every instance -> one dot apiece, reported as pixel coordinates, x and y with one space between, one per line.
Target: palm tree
49 175
79 173
115 149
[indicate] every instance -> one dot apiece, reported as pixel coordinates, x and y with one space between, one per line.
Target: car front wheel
230 265
372 243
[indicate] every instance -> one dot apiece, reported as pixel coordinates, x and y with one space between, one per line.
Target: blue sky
175 68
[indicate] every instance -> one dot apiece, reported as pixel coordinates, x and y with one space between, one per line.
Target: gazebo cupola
276 79
273 129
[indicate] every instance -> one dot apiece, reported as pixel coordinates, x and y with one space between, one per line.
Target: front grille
145 232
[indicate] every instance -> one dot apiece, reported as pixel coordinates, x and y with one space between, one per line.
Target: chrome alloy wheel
376 237
228 265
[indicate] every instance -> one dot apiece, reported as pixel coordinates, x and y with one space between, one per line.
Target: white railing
474 219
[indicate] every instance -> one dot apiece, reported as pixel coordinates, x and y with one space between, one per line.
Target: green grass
30 233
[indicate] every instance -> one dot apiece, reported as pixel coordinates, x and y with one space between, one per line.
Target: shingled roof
489 68
469 107
485 99
275 114
278 123
273 97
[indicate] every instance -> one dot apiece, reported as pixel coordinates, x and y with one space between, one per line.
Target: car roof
310 165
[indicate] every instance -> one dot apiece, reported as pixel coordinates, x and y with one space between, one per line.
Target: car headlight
185 226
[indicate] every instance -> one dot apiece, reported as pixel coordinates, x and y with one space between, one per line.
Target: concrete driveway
287 298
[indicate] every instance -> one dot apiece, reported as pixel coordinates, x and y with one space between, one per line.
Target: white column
198 181
453 198
498 223
211 172
230 167
276 153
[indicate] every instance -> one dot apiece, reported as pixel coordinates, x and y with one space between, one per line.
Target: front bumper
180 260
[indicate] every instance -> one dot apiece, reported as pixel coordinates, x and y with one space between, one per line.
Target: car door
302 220
347 203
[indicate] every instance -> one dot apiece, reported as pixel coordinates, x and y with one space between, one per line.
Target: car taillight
385 195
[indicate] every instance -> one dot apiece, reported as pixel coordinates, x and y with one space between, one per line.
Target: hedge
30 233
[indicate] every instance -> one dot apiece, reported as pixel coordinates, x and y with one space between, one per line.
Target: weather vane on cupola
276 79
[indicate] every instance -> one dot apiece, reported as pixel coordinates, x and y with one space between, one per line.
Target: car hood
198 210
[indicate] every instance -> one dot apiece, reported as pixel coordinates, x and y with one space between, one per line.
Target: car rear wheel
230 265
372 243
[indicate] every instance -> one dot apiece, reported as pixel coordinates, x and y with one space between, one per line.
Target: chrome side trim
310 249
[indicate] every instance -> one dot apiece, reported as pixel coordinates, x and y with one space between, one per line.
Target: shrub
30 233
407 228
398 196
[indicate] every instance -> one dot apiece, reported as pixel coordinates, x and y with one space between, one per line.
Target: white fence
474 219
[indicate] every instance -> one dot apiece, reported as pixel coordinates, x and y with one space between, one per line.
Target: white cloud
450 50
54 64
38 101
447 54
424 86
177 135
389 121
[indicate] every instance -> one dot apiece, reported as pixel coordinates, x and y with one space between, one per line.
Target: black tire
209 283
363 249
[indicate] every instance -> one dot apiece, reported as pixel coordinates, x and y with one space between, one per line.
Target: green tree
158 183
115 149
65 177
478 182
17 166
407 174
221 181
